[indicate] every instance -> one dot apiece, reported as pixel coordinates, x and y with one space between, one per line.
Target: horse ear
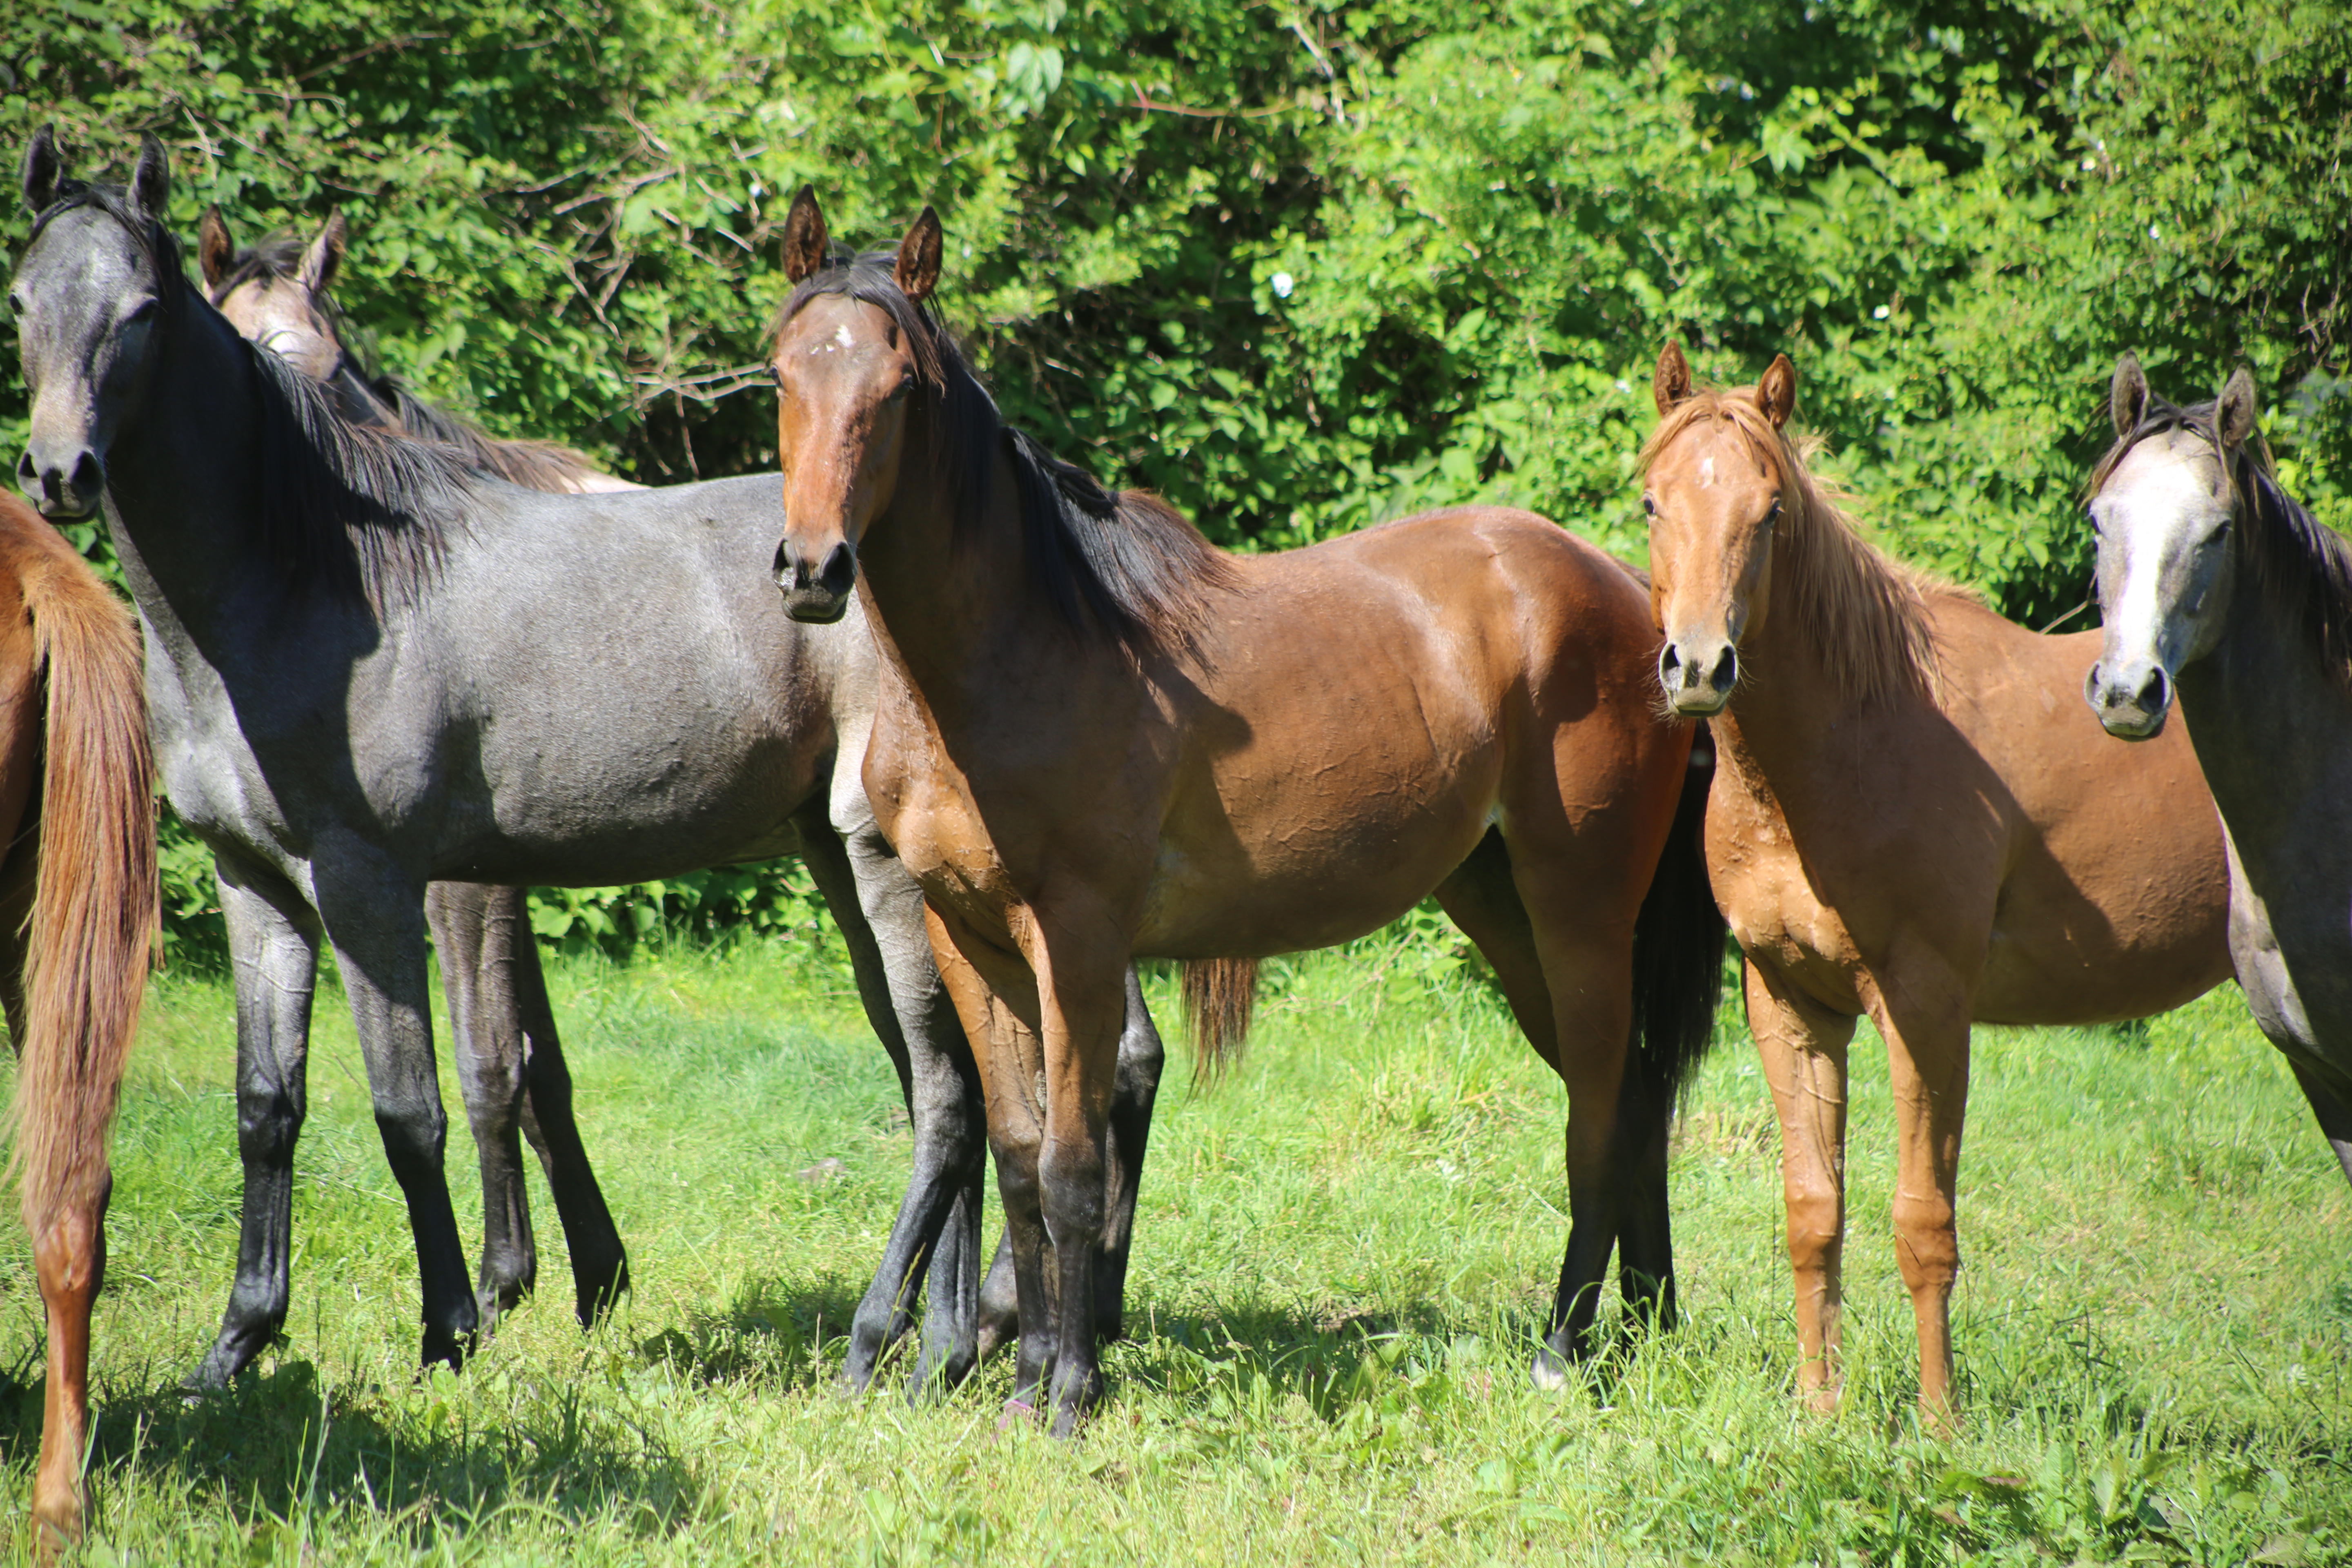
45 167
2234 416
151 178
2128 395
1777 390
214 249
324 255
919 257
805 240
1673 382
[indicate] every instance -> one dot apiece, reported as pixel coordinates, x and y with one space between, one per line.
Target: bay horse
2221 594
1906 821
349 705
77 908
1100 736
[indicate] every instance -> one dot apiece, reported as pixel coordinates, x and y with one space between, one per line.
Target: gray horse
2221 593
372 667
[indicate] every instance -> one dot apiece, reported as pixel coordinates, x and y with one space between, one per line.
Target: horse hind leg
2335 1116
1140 1058
487 1040
1483 898
600 1263
69 1236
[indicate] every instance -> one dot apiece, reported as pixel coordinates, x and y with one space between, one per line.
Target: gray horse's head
98 279
2163 502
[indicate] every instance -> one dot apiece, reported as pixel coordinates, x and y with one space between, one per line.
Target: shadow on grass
773 1337
276 1444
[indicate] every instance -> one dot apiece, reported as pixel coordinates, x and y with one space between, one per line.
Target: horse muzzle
818 596
65 486
1697 675
2131 698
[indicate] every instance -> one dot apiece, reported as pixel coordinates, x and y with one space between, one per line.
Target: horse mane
2303 567
1123 566
359 510
1867 612
362 511
534 465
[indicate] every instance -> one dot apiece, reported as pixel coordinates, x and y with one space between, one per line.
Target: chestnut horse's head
1714 497
853 354
276 293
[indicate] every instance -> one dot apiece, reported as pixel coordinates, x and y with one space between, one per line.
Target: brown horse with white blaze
1909 819
77 905
1100 735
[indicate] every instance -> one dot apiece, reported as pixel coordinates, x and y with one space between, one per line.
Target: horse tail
1219 994
91 938
1678 942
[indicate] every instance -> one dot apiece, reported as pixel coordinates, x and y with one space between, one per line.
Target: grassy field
1343 1257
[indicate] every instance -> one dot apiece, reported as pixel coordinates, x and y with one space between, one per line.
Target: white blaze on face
841 335
2157 507
1706 472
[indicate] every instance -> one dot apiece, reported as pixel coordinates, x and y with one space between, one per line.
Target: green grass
1344 1254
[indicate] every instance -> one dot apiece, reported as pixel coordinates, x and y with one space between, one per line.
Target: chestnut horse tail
1220 994
1678 942
91 938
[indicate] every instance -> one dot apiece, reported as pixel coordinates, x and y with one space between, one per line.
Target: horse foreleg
375 918
1802 1046
273 948
1646 1239
1923 1014
487 1040
1010 1056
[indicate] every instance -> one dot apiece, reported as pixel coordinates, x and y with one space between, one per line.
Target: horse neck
1788 706
951 607
183 479
2262 707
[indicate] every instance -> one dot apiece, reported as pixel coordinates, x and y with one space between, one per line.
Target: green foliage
1306 268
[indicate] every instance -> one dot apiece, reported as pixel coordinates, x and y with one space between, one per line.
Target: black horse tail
1219 994
1678 943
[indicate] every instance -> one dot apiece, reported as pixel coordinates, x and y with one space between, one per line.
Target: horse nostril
89 476
1726 674
26 473
784 562
839 572
1669 664
2155 692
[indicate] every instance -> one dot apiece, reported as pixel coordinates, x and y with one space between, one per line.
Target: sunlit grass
1344 1254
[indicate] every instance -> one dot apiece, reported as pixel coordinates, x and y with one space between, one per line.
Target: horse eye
1650 505
1772 516
145 311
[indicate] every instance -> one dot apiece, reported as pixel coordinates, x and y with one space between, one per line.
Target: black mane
1125 566
2303 566
354 509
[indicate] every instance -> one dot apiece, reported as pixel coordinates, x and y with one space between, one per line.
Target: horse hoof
1018 1414
1547 1373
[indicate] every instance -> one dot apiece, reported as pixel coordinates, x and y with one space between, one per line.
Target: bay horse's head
2162 503
1712 495
276 293
98 281
854 351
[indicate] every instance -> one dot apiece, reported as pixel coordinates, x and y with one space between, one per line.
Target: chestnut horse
78 813
1910 818
1099 735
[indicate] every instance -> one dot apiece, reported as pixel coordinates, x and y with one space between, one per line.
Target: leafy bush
1305 269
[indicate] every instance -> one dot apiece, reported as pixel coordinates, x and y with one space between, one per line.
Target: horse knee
1926 1243
414 1136
268 1124
69 1257
1815 1231
1072 1179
